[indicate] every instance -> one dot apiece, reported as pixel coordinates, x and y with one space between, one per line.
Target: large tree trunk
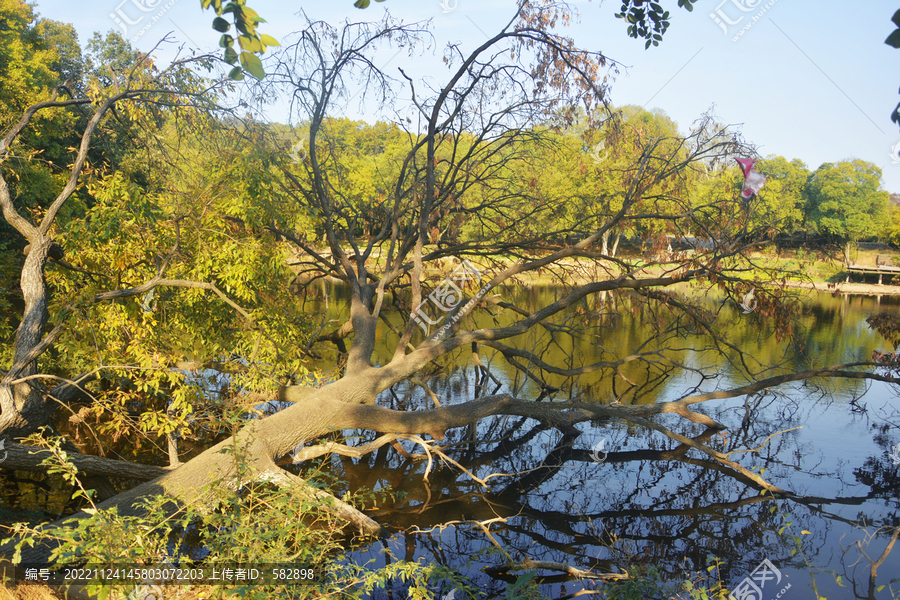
24 407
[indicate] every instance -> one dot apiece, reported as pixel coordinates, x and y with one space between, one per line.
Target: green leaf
252 65
236 74
220 24
361 4
230 56
268 40
250 43
896 18
226 41
893 40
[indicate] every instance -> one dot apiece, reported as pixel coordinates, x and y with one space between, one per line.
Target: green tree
36 55
781 206
844 200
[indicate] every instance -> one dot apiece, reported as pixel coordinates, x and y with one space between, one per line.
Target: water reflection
652 501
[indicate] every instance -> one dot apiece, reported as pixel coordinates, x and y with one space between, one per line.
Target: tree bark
21 457
24 407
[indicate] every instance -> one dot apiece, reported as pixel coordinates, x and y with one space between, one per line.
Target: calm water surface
649 502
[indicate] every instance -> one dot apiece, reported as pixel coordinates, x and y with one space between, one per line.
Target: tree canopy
844 200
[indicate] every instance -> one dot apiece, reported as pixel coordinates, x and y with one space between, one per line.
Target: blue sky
806 80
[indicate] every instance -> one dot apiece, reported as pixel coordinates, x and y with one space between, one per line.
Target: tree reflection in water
652 501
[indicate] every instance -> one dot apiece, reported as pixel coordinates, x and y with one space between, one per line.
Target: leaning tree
468 191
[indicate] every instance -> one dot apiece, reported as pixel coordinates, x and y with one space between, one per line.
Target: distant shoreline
576 275
860 289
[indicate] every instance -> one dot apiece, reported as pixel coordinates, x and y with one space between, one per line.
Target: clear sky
808 80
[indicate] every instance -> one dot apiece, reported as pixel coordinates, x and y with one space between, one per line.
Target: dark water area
649 501
622 497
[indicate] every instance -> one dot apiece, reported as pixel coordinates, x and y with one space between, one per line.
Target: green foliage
58 463
843 199
35 56
250 42
700 587
893 229
893 40
643 583
237 520
574 179
781 206
648 20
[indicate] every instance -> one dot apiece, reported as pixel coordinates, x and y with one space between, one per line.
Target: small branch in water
765 441
529 564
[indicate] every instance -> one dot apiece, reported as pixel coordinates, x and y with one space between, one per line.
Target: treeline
583 172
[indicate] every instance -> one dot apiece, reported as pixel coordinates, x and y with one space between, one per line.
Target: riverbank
862 289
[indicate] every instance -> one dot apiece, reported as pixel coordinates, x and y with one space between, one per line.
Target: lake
648 502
